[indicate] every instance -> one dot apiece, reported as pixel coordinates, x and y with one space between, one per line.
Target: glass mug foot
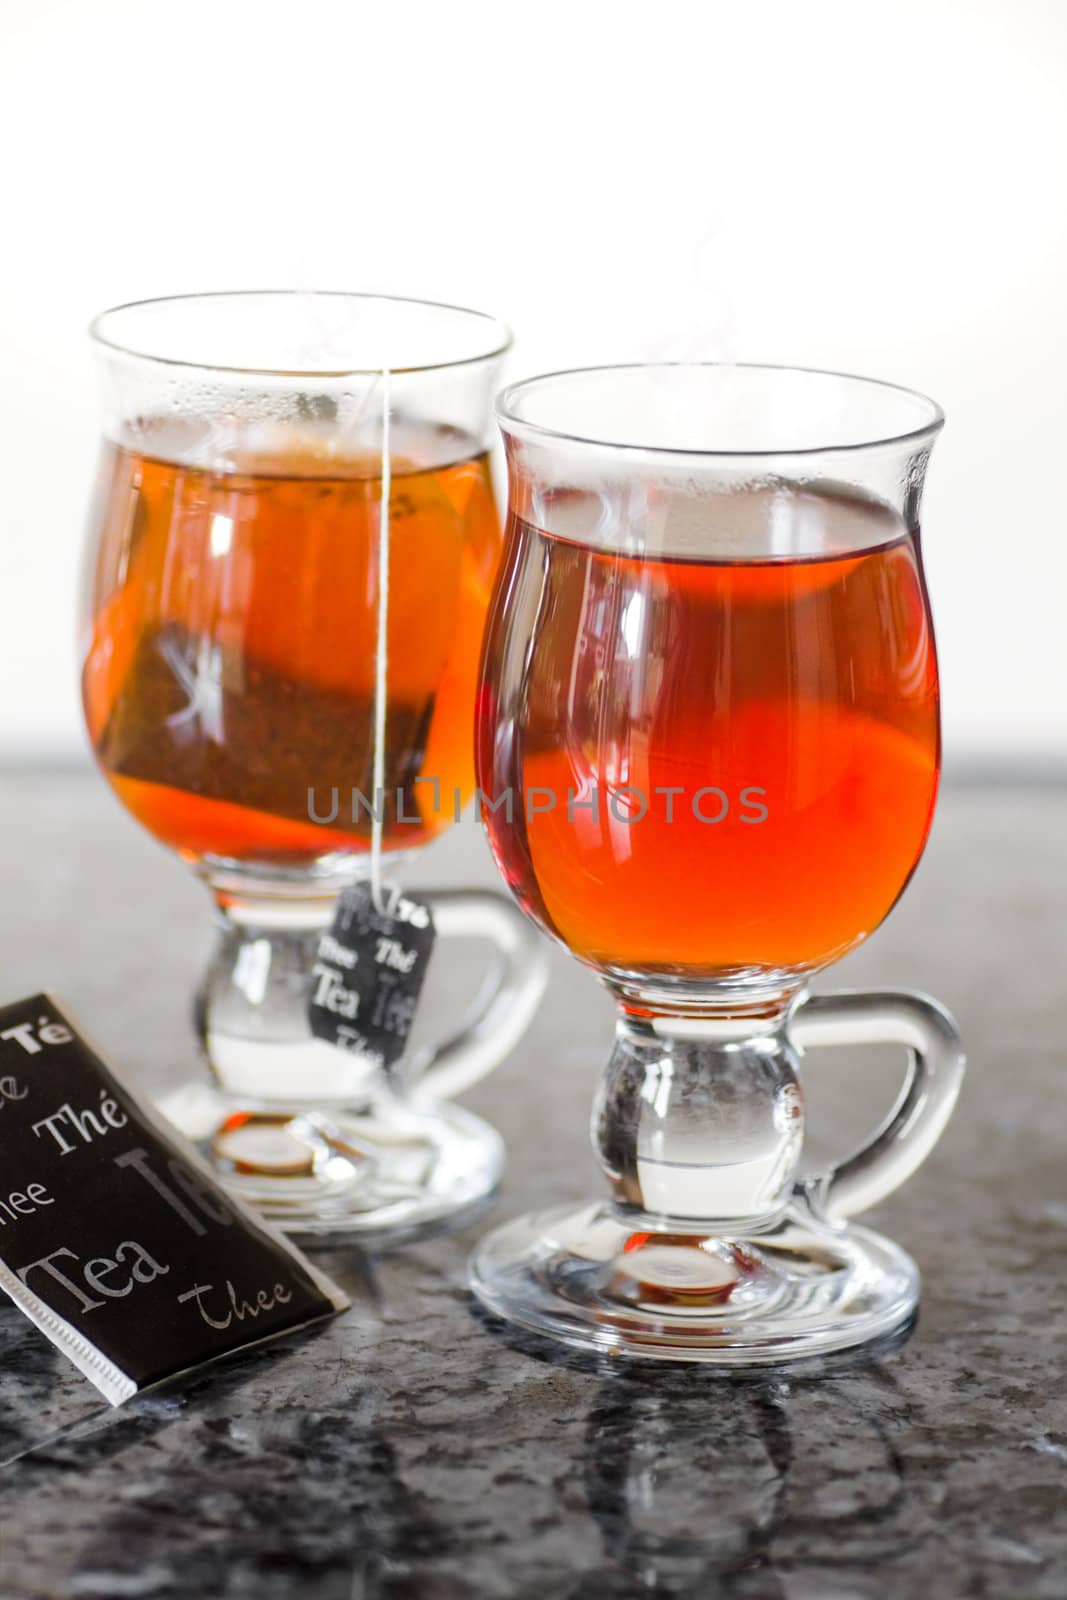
710 1250
382 1175
324 1142
590 1280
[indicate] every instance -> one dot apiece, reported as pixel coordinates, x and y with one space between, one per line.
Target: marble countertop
412 1449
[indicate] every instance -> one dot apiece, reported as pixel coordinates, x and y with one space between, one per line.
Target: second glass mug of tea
709 731
230 671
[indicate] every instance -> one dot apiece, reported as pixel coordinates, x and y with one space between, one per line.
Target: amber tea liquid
229 667
799 694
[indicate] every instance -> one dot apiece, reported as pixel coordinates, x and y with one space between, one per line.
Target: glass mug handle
507 1002
916 1121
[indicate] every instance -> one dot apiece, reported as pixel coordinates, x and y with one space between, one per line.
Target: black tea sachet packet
115 1238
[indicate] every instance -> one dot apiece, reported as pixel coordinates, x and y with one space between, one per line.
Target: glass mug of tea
233 636
709 735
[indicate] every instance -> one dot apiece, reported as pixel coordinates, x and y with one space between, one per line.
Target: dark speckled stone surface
412 1449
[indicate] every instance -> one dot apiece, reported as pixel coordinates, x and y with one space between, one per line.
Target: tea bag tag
370 969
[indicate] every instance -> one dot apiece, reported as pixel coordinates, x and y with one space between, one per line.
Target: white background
876 188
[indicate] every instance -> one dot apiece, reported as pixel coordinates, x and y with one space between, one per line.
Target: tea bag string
381 665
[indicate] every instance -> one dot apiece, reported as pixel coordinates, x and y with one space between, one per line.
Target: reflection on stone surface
693 1476
686 1488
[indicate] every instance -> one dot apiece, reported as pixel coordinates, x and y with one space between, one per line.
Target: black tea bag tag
369 971
115 1237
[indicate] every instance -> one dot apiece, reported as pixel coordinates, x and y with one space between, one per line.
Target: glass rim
513 423
99 336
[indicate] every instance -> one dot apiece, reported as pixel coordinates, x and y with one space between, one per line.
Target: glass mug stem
699 1122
